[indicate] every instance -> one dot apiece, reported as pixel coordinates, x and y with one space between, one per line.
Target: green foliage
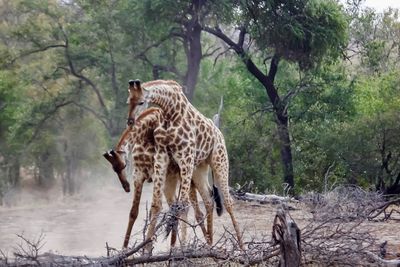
249 130
301 31
52 120
317 115
376 38
350 131
11 110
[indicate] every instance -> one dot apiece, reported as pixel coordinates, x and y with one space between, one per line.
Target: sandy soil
82 225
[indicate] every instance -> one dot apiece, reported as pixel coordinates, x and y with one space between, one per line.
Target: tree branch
80 76
208 54
46 117
27 53
100 117
252 68
114 83
273 68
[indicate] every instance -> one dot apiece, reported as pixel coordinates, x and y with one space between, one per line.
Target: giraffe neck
168 96
126 141
139 132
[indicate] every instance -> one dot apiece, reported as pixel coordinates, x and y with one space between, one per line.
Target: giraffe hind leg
220 168
200 179
197 212
170 186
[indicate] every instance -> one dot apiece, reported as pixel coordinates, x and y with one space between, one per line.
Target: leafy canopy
302 31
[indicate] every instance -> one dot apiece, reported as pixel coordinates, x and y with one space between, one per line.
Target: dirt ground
81 225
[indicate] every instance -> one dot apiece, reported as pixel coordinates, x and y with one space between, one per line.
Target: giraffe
190 138
139 138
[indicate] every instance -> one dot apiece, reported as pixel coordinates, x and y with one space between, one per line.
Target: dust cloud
72 225
82 224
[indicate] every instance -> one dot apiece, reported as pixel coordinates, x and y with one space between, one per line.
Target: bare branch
73 71
386 209
100 117
218 33
47 116
29 250
27 53
210 53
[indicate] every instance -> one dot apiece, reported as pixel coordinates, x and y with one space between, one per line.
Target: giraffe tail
218 201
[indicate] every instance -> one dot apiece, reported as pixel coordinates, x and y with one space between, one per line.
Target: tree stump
286 233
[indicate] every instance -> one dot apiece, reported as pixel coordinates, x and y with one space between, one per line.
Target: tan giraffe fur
190 137
139 138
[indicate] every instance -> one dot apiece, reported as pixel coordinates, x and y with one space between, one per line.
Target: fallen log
264 199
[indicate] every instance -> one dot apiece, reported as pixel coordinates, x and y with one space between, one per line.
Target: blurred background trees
310 87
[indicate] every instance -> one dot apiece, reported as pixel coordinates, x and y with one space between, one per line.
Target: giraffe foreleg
160 169
138 186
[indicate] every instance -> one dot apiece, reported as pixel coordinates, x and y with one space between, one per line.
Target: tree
304 32
174 27
375 40
42 40
10 97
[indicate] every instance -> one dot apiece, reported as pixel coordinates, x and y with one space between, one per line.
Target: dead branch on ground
29 250
336 235
386 209
242 193
346 203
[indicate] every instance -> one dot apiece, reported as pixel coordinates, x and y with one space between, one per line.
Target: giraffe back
186 125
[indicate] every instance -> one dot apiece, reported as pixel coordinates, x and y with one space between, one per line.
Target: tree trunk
287 234
193 57
46 170
14 173
394 188
278 106
70 186
286 151
281 116
68 178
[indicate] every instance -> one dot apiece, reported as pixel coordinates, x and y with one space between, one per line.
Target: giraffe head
135 98
118 164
